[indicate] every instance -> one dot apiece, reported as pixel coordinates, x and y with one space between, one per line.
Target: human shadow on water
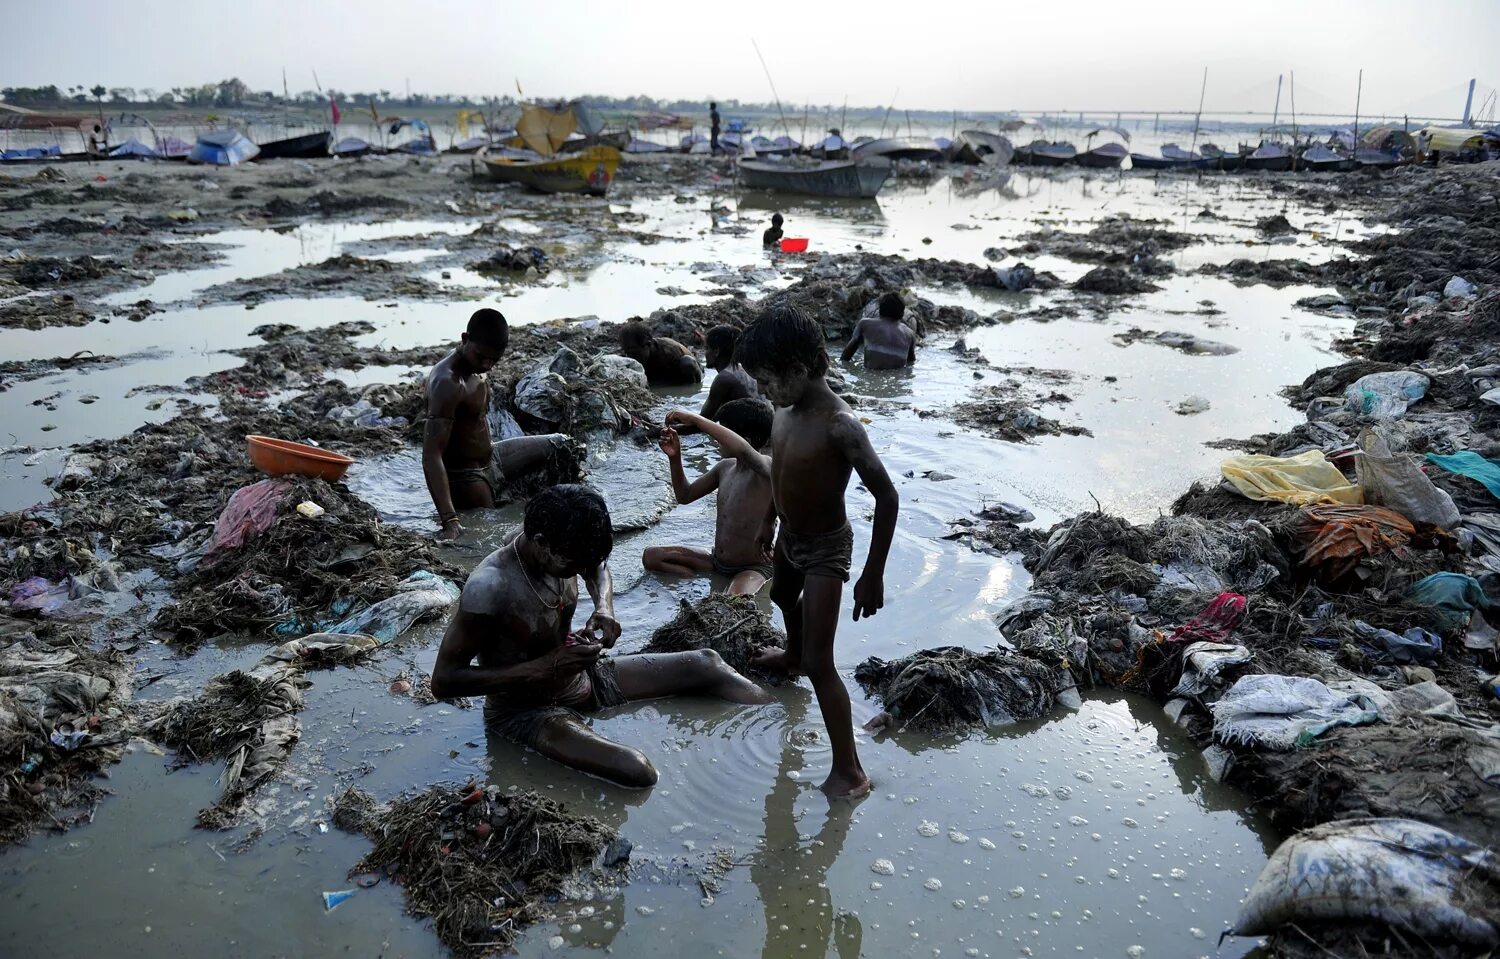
800 915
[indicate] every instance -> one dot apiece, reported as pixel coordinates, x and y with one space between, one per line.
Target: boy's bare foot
841 786
779 661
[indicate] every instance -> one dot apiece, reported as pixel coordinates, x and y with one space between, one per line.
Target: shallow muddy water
1082 834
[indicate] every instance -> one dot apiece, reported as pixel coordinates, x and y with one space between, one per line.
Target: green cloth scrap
1475 467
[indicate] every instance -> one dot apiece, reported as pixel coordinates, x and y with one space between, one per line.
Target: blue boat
223 148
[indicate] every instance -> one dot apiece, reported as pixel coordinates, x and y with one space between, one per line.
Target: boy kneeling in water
515 616
816 442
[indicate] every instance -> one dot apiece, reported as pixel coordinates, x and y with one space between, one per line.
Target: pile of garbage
735 627
950 690
481 863
564 394
63 717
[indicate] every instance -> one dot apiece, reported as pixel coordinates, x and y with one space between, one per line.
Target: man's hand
567 660
671 443
451 530
603 627
678 418
869 595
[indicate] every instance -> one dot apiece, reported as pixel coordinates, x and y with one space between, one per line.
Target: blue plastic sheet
1471 464
1455 594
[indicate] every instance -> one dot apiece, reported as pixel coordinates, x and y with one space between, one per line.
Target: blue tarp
1471 464
31 153
134 148
223 148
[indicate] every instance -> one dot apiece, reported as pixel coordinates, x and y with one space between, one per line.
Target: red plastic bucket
794 244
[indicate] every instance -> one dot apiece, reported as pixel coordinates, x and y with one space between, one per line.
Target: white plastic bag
1394 481
1385 395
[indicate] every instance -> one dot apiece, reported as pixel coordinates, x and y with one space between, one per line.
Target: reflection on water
1079 834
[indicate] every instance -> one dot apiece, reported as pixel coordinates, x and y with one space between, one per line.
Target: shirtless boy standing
816 442
889 343
463 466
746 516
515 617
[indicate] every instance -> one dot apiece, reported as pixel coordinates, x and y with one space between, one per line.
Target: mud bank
1246 587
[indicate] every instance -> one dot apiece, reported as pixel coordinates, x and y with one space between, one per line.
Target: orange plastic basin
285 458
794 244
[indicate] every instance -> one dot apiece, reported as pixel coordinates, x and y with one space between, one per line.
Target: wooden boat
590 170
835 178
975 146
898 148
1103 157
1219 159
351 147
223 148
1320 158
1042 153
1271 157
305 147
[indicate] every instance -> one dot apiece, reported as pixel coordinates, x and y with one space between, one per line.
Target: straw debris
735 627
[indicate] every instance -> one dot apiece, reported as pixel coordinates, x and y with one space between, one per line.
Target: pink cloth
249 512
1215 624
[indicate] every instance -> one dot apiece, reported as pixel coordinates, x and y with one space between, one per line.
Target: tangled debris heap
950 689
481 863
62 719
735 627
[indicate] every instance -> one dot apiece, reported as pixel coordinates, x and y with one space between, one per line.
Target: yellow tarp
1450 140
1301 480
544 130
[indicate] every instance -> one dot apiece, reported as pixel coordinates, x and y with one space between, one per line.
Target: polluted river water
1088 832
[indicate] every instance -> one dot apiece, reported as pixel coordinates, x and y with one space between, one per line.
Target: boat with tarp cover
544 130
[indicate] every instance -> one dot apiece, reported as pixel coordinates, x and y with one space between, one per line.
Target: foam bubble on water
983 900
927 828
1135 952
1197 933
1018 892
1113 874
575 928
1017 834
1178 874
1095 836
1035 791
971 951
1063 792
1077 821
957 836
877 886
556 942
644 910
1129 823
933 884
960 904
1083 777
1117 784
909 800
986 844
883 867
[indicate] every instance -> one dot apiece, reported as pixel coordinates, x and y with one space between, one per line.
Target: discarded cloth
1385 395
1268 711
1416 645
1335 537
1204 663
249 512
1471 464
1215 623
1421 879
1394 705
1301 480
422 595
1454 594
1394 480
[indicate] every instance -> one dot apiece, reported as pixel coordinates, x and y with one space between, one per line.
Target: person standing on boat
713 129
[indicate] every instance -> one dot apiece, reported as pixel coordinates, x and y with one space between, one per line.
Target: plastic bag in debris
322 649
543 392
614 367
1015 278
1455 595
1394 705
1019 613
421 596
1394 480
1385 395
1471 464
1302 480
1458 286
364 413
1204 663
250 511
1335 537
1418 878
1416 645
1268 711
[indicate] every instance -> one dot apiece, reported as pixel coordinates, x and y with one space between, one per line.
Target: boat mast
1358 92
774 94
887 116
1198 117
1469 102
1294 108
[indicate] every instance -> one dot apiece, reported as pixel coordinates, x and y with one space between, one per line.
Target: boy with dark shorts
539 676
816 442
746 517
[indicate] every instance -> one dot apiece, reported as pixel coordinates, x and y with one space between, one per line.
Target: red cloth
333 105
249 512
1214 625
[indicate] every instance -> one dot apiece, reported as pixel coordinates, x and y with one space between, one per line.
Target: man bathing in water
889 343
515 617
816 442
463 466
667 362
746 517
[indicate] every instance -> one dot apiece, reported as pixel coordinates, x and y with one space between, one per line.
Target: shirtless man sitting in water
516 618
746 521
463 466
889 343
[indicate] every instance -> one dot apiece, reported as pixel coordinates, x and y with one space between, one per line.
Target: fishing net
479 863
951 689
735 627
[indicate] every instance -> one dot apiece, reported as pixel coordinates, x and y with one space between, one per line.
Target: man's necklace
522 563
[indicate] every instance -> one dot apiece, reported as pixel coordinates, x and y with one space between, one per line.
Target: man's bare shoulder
844 427
487 592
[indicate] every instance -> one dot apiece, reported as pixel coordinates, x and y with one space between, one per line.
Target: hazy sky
975 55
